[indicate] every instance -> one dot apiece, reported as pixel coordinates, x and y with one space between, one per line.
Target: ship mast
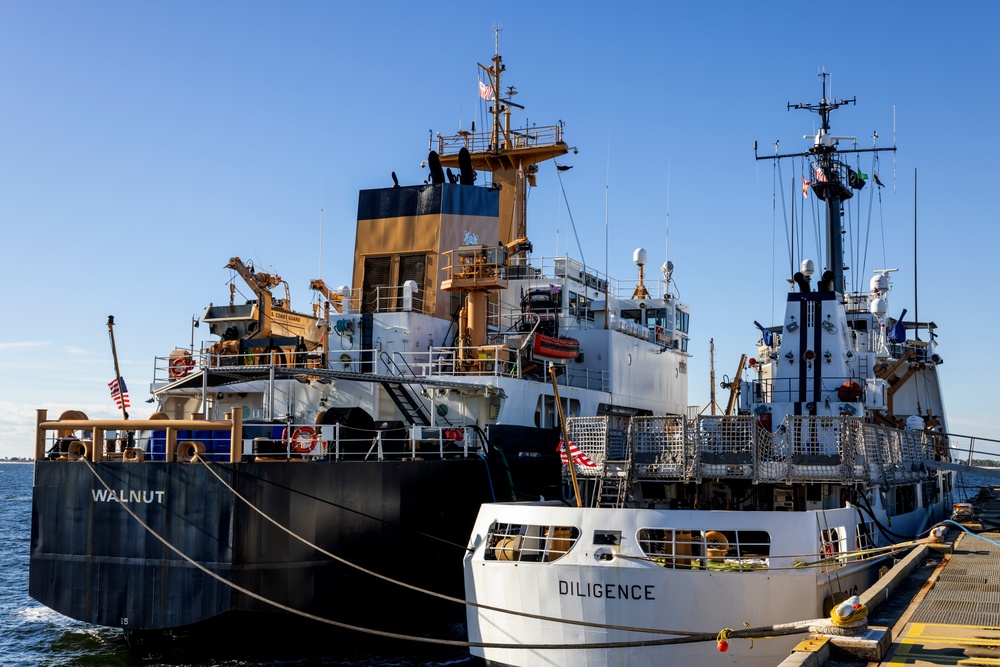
830 177
510 155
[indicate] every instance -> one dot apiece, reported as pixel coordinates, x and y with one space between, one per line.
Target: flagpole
565 436
916 309
114 355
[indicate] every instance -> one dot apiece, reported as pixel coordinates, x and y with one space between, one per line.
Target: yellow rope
848 611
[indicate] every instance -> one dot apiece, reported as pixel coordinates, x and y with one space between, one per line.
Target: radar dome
878 307
808 267
639 256
879 284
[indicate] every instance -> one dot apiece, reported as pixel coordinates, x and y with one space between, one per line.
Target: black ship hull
408 520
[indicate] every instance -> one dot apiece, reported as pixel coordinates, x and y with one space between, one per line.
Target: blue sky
142 144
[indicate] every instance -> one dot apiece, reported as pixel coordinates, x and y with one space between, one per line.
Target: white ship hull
627 585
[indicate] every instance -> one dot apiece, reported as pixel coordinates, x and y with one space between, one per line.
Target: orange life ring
181 366
304 439
716 540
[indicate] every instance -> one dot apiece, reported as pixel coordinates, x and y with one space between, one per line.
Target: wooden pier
955 617
937 607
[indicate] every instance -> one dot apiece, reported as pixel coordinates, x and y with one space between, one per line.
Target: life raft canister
849 392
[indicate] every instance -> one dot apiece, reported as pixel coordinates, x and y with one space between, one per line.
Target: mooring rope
425 591
976 535
751 633
737 567
353 510
798 627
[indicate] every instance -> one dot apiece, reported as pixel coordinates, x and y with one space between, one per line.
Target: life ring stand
180 366
304 439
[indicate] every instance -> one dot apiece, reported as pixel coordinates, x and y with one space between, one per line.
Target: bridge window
385 275
683 320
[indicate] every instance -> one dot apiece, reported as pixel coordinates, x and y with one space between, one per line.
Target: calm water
32 635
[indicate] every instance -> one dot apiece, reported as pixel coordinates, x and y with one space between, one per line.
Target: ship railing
970 450
600 439
179 364
921 350
817 448
786 390
339 442
74 437
482 142
586 378
397 299
857 302
492 360
583 279
725 445
513 328
840 449
660 448
897 456
230 440
489 360
177 367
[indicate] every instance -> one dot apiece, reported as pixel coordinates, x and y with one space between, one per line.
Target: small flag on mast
579 458
854 179
485 92
119 393
805 188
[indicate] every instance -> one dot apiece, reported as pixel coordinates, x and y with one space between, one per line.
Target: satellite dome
879 284
878 307
639 256
808 267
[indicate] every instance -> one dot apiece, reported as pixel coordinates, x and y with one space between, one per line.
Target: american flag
485 92
820 174
579 457
119 392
